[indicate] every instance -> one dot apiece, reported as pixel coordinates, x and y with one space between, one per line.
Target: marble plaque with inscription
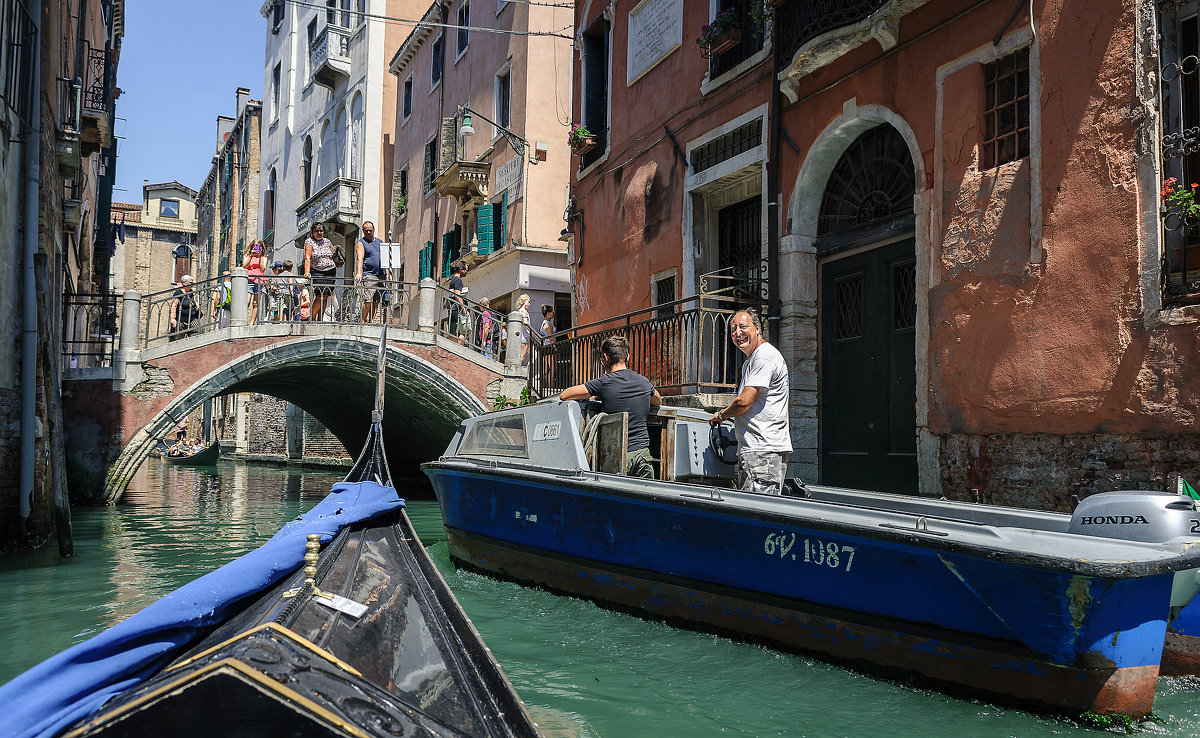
655 30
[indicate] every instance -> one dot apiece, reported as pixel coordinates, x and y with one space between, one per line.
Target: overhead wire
434 24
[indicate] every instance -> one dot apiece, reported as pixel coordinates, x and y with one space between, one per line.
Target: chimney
243 94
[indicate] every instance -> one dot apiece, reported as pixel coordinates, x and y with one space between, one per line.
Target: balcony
97 102
330 56
340 201
72 202
67 147
465 181
810 35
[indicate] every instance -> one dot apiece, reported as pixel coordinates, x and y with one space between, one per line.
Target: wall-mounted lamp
466 128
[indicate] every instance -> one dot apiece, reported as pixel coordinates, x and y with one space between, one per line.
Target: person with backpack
223 302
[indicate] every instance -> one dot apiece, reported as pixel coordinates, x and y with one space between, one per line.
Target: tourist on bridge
369 274
253 262
456 302
760 409
184 309
487 335
523 309
223 302
319 267
274 290
622 390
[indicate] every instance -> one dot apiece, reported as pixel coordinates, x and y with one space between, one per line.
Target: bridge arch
332 378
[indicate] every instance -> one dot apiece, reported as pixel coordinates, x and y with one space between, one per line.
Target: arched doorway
866 256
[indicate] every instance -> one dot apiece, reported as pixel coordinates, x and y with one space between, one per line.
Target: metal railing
472 325
89 330
274 299
98 84
681 346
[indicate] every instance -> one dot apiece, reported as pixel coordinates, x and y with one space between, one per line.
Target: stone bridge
115 415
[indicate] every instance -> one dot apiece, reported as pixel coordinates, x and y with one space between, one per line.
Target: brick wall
267 421
318 441
1042 471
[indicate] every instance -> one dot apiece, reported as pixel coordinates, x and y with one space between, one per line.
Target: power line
434 24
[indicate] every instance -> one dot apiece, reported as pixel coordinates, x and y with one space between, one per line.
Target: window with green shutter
425 260
483 218
449 250
500 221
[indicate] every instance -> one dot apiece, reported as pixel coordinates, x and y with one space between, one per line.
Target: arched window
339 137
872 182
324 157
307 167
356 123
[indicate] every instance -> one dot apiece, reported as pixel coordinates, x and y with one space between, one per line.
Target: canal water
581 670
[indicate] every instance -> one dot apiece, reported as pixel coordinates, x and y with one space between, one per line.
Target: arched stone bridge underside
431 385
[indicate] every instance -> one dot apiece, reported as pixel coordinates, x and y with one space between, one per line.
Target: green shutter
426 260
502 231
228 167
449 251
483 215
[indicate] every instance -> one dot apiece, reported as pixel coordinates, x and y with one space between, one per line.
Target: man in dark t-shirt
456 300
622 390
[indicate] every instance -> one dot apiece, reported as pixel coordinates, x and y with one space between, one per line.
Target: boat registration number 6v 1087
811 551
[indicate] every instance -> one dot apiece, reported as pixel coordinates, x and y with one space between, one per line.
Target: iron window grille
431 160
1006 109
753 28
1179 59
724 147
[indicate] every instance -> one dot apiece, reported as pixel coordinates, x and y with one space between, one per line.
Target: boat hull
1009 631
208 457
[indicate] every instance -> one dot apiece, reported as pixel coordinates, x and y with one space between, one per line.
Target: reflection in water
582 671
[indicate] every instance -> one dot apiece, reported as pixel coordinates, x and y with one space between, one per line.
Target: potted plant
724 33
580 139
1182 201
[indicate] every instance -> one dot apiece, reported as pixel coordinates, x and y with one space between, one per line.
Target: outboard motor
1147 516
1136 516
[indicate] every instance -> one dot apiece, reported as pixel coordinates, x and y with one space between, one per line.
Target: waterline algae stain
581 670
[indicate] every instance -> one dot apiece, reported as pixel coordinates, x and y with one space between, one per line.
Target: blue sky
180 65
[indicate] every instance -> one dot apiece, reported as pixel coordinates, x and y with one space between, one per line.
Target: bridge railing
89 330
471 324
175 313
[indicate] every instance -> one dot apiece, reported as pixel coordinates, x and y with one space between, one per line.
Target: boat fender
723 442
1136 515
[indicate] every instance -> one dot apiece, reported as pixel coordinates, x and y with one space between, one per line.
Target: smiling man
760 410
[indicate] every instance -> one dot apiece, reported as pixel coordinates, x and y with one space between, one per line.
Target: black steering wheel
723 442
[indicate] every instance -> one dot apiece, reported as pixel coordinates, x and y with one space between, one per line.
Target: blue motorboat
1048 610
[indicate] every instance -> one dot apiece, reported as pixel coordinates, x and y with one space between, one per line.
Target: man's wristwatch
720 417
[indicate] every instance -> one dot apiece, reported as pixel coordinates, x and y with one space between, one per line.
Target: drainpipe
774 115
29 335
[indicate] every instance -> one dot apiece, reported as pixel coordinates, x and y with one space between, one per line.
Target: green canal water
581 670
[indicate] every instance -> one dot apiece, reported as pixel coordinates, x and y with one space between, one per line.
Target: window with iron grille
1006 109
1179 33
664 294
431 160
503 98
407 97
727 146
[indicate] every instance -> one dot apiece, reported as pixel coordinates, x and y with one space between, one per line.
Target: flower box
722 42
776 3
583 144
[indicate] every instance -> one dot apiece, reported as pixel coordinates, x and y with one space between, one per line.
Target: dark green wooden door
867 378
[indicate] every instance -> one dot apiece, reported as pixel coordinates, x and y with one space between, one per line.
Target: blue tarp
72 685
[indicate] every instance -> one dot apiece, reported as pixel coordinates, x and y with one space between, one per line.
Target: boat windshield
500 436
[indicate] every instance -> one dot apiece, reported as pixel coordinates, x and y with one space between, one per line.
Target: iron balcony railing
89 330
98 84
681 346
799 21
1180 150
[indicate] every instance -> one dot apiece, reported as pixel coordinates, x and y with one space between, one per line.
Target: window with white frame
435 64
503 106
312 37
464 20
1179 34
407 106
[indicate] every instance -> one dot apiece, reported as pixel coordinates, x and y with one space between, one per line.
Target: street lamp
519 144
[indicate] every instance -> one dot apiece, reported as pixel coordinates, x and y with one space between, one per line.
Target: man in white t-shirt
760 410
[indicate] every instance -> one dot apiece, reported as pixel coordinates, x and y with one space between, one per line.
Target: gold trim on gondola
277 628
270 685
